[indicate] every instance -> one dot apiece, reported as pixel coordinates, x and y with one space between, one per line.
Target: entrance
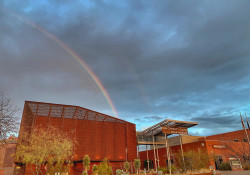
218 161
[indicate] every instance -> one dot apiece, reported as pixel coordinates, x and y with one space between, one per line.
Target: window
235 140
244 140
172 161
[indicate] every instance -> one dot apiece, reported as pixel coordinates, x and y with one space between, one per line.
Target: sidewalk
234 172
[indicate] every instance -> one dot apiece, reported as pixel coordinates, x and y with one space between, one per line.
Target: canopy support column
168 154
154 153
182 154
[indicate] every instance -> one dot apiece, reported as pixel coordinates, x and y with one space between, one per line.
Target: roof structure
69 111
157 128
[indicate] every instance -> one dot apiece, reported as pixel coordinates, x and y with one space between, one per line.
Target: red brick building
221 147
7 149
101 136
98 135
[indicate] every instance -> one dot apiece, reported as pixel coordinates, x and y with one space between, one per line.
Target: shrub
85 173
225 166
137 164
126 166
246 166
193 160
94 169
86 162
173 168
164 170
59 167
118 172
104 168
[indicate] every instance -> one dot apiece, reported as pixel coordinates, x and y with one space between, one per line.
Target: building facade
98 135
220 148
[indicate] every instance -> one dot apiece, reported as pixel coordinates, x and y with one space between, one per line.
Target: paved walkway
234 172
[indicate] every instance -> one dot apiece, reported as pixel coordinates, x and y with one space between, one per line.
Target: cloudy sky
183 60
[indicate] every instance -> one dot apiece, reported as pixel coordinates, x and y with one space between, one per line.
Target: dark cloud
171 59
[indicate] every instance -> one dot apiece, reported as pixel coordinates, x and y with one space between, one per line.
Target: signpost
219 146
169 130
235 164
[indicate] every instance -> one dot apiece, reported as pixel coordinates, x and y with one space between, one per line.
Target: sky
181 60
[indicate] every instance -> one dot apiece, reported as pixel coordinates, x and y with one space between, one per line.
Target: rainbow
74 55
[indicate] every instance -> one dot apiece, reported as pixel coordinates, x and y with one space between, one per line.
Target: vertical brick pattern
98 139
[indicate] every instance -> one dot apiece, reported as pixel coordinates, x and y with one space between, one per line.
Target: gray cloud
173 59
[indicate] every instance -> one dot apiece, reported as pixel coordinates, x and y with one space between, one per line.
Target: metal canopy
69 112
157 128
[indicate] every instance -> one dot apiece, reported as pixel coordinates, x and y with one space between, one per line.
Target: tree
126 166
137 164
8 117
44 148
104 168
86 162
238 149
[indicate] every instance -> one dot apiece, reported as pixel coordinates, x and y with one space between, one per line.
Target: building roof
11 140
157 128
69 111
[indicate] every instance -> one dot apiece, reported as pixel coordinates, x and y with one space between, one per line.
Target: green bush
118 172
173 168
85 173
104 168
164 170
193 160
86 162
225 166
167 170
137 165
126 166
94 169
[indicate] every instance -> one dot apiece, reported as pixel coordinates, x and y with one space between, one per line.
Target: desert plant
173 168
86 162
59 167
94 169
104 168
225 166
85 173
126 166
137 164
164 170
118 172
193 160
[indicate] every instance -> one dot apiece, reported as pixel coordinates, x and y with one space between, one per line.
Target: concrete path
234 172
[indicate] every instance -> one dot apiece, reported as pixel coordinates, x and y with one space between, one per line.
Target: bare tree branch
239 149
8 117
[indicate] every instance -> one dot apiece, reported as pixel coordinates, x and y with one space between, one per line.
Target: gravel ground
234 172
